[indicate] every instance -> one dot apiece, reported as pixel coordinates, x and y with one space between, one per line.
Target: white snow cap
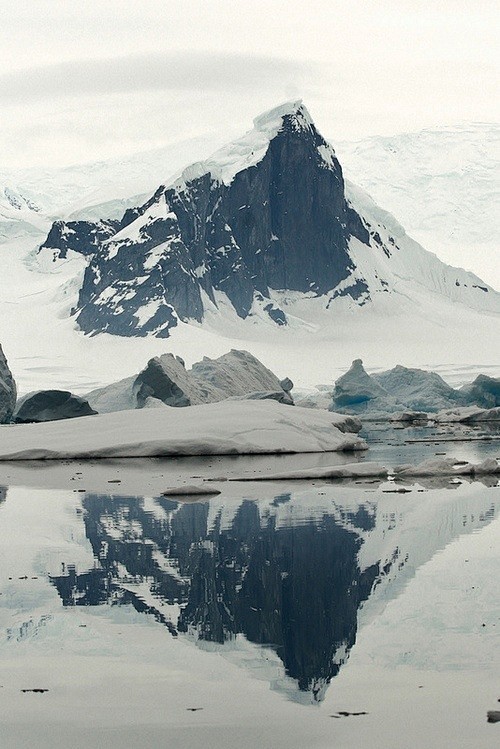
272 120
249 150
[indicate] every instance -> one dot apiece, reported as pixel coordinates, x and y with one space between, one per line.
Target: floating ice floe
347 471
227 428
190 490
448 467
408 417
467 415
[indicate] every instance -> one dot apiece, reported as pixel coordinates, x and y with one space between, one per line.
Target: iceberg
226 428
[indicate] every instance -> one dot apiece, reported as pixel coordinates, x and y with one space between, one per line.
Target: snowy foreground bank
230 428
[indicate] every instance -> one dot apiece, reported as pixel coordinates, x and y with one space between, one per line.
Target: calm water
334 615
413 444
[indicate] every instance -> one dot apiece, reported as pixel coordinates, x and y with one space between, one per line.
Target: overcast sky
96 79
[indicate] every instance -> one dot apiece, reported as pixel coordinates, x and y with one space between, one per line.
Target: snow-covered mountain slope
89 191
20 215
265 216
443 184
258 247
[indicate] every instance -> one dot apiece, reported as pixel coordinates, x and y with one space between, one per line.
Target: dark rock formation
80 236
281 221
8 390
51 405
256 230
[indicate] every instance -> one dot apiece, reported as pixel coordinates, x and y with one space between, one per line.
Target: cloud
179 71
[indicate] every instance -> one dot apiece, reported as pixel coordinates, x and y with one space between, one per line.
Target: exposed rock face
165 380
268 212
8 390
484 392
80 236
51 405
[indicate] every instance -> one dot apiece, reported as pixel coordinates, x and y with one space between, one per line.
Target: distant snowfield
442 184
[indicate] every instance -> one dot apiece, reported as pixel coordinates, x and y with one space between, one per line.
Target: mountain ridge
266 214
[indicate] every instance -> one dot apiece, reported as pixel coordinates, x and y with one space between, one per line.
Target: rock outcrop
234 225
8 391
51 405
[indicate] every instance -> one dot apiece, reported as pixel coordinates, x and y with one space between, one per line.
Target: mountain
263 247
266 228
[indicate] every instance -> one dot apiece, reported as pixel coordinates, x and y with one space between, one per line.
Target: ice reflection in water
284 573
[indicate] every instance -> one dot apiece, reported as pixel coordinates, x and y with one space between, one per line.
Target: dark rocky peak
267 212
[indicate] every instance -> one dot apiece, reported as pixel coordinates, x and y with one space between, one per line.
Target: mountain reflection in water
295 585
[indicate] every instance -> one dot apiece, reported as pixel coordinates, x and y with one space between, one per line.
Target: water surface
325 615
